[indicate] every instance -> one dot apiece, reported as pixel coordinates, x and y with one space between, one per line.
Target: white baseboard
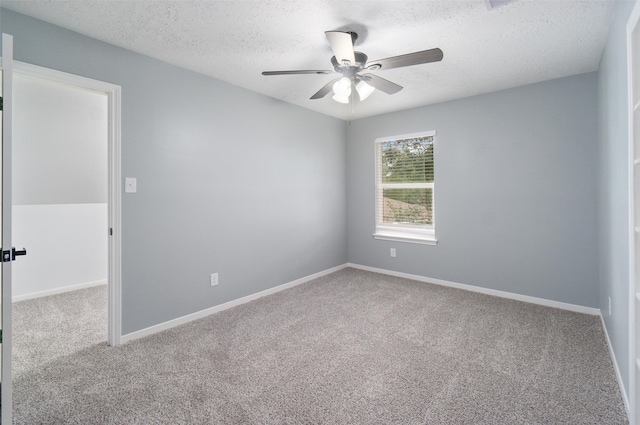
502 294
625 399
206 312
60 290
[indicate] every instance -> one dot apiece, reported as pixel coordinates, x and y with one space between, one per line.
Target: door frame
633 92
113 93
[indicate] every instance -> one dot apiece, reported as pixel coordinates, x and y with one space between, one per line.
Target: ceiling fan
351 64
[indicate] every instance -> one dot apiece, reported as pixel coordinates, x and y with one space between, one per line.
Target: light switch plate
130 185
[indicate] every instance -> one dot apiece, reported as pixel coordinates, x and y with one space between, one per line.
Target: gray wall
229 181
59 144
613 188
515 191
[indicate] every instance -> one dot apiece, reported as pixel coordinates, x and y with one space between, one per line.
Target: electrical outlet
214 279
609 306
393 252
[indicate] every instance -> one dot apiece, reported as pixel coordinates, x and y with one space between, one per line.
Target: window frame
412 233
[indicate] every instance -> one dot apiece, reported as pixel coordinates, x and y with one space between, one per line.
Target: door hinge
110 231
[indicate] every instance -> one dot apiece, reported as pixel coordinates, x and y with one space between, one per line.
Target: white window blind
405 178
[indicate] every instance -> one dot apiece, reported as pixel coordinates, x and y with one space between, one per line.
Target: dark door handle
11 255
15 253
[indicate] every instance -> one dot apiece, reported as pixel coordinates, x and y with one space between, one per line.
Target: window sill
400 237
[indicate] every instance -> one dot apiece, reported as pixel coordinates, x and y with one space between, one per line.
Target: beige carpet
350 348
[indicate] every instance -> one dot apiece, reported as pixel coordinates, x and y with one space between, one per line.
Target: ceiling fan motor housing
350 70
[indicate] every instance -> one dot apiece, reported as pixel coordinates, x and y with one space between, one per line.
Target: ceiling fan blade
296 72
324 90
381 84
342 46
416 58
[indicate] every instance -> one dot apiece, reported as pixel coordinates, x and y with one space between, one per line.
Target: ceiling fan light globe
342 87
341 99
364 90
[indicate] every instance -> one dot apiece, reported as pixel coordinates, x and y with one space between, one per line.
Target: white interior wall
66 245
59 183
613 177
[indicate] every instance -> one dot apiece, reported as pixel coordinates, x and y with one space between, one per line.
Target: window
405 188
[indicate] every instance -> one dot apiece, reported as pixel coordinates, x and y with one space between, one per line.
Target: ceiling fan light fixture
342 87
364 90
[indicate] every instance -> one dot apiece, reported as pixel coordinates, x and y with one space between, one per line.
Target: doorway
67 191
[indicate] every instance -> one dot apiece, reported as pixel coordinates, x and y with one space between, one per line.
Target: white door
5 173
8 253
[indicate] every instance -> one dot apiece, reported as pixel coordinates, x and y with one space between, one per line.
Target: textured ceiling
484 50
